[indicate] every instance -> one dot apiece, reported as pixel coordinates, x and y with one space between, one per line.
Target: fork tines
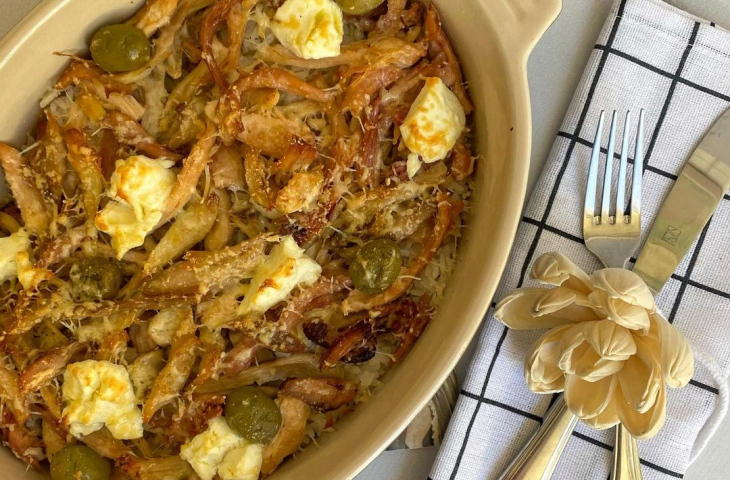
622 215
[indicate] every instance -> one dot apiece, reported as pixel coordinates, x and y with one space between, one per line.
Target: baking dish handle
521 23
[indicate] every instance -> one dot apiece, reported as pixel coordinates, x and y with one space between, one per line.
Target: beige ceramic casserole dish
493 39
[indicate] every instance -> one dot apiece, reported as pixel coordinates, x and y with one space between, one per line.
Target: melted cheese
242 463
309 28
433 125
139 186
10 247
98 394
286 267
206 451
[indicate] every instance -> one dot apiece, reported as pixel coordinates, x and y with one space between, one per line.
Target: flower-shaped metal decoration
608 348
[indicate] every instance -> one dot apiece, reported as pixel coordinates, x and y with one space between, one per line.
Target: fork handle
538 458
626 464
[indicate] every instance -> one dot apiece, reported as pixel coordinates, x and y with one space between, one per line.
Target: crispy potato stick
54 162
153 15
221 234
52 440
103 443
45 369
376 53
257 178
13 399
157 468
297 365
87 164
294 415
187 179
51 398
57 307
203 272
173 377
322 394
210 362
440 45
358 301
23 183
190 227
178 279
128 131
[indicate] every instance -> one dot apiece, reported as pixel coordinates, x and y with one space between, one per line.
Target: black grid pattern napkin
677 67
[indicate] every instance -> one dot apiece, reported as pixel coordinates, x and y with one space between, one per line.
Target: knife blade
691 202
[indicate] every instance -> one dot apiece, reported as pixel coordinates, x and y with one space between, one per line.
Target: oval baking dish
493 39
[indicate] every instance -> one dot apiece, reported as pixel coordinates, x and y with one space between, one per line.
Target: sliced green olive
359 7
120 48
376 266
253 415
95 278
79 462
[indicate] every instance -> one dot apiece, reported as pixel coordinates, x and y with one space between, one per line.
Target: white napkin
677 67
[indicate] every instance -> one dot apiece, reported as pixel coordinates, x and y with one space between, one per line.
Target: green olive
120 48
358 7
253 415
79 462
376 266
95 278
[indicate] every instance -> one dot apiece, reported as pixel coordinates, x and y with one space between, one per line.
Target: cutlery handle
538 459
626 464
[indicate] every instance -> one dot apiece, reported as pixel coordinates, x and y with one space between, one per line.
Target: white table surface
554 69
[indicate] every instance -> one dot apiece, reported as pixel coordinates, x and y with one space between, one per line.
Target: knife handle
538 458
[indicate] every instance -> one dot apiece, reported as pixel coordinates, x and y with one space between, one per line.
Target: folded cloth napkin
677 67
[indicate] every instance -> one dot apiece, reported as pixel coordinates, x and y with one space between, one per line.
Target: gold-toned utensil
613 239
538 459
699 189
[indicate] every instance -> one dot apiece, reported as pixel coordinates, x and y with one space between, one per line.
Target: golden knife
700 188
